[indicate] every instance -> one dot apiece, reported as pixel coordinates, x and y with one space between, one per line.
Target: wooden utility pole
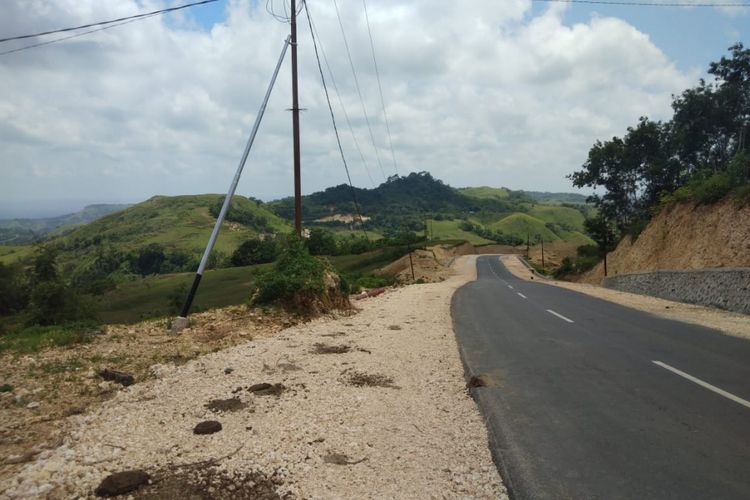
295 127
542 254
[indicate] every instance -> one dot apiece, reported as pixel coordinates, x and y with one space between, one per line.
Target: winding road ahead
589 399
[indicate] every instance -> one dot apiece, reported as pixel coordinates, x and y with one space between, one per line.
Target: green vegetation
301 282
699 155
523 225
162 295
255 252
485 192
35 338
451 230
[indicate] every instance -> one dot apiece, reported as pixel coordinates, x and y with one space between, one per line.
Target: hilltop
419 202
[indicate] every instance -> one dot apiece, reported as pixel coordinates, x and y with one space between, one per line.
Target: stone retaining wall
725 288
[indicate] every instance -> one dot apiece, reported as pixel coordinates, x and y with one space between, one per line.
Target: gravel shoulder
371 405
727 322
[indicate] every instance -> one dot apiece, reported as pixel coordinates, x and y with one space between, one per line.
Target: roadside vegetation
701 155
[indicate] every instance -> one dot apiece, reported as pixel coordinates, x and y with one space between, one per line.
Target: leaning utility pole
181 321
295 127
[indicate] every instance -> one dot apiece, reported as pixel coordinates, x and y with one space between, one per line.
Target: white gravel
423 439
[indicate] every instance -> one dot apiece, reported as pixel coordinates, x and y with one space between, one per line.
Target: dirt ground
725 321
369 405
51 385
684 236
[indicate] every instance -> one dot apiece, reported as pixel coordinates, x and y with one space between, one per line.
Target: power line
647 4
62 39
112 21
341 103
333 120
359 92
380 88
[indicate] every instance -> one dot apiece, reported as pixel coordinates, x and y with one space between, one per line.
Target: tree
52 300
254 252
701 142
149 259
604 233
321 242
14 288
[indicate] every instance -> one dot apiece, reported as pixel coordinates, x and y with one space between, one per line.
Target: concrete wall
725 288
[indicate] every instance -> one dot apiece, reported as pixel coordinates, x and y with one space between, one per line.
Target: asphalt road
589 399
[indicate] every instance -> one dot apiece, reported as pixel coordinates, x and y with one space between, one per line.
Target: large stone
207 427
120 483
179 324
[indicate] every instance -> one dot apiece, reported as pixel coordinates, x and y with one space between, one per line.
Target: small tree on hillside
604 232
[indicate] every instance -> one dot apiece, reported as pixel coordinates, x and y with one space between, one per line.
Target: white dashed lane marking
560 316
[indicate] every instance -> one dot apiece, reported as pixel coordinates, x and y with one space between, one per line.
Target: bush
300 282
255 252
14 288
322 242
55 303
149 259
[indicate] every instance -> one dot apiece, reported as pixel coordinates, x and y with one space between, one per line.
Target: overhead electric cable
380 87
62 39
647 4
333 120
112 21
341 103
359 91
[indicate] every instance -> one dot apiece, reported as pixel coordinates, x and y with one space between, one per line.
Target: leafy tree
321 242
14 288
700 147
149 259
52 301
604 233
254 252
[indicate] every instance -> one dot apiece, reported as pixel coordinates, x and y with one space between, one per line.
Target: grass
521 225
485 192
36 338
176 222
563 216
451 230
162 295
11 253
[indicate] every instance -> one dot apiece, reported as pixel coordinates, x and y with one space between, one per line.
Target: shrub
322 242
255 252
300 282
55 303
14 288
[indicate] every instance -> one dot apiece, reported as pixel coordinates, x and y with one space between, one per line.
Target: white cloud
481 95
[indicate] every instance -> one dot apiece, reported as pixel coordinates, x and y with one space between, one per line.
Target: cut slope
684 236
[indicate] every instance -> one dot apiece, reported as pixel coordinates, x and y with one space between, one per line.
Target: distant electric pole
528 237
295 127
542 254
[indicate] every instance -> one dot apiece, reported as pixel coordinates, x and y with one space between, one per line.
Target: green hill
485 192
545 197
179 223
523 225
24 231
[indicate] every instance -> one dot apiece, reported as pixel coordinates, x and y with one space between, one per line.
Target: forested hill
417 194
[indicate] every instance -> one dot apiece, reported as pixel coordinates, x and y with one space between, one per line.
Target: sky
501 93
